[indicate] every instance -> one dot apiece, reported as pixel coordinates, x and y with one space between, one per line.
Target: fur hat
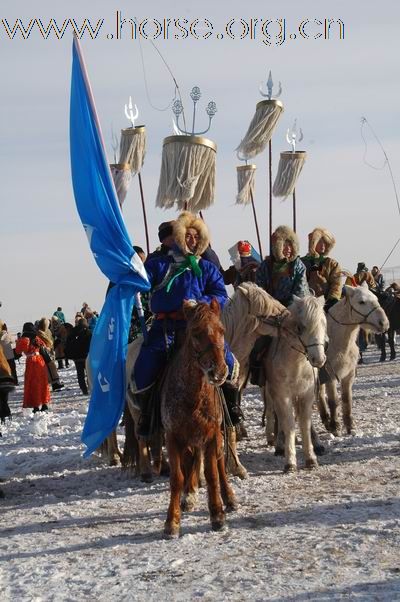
361 267
315 236
189 220
28 330
281 234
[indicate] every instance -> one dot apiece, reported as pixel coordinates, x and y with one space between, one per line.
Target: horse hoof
311 464
188 503
231 505
392 357
171 531
290 468
382 359
146 477
238 470
279 451
218 524
319 449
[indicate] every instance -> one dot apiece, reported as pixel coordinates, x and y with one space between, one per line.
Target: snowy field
75 529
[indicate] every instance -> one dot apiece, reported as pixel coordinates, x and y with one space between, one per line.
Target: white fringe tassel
246 180
122 176
261 128
289 169
132 148
187 174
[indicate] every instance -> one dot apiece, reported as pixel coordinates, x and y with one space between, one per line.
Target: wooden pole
294 210
256 224
144 213
270 197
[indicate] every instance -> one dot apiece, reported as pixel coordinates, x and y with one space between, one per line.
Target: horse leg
347 402
319 448
130 454
160 462
304 414
217 514
145 469
286 422
323 407
227 494
391 344
381 342
234 466
191 468
114 455
172 524
268 416
333 400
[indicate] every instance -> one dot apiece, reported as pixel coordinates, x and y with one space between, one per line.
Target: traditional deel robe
172 283
324 274
280 277
36 387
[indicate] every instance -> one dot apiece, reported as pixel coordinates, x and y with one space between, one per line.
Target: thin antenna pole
256 223
144 212
270 196
294 210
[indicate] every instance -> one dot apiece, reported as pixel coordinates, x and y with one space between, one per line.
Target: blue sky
327 85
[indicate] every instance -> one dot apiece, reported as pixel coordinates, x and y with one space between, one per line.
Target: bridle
352 308
277 322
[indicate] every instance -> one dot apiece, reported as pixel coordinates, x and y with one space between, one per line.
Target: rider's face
192 239
320 246
287 249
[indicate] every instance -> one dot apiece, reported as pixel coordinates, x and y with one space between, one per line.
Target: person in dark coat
77 349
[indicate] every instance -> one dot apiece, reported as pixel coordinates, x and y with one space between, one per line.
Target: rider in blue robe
180 275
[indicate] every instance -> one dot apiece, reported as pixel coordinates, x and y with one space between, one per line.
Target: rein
352 308
277 322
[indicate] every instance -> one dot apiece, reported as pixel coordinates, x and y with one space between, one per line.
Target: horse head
205 339
262 308
307 328
365 308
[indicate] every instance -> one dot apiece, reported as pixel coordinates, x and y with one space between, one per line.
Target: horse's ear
243 290
365 285
321 300
188 309
296 299
214 305
348 290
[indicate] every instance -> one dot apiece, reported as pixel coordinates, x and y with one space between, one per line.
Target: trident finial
291 136
269 86
129 113
177 109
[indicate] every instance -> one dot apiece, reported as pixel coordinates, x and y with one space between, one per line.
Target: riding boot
143 400
232 398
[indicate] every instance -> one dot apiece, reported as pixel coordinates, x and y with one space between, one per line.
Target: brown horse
192 414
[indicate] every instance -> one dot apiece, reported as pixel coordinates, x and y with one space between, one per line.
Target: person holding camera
324 274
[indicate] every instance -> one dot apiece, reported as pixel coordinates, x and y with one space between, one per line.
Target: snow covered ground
74 529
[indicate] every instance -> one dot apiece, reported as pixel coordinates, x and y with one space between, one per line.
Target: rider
282 275
180 275
323 273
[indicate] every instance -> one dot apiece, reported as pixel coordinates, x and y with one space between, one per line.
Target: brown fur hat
315 236
281 234
189 220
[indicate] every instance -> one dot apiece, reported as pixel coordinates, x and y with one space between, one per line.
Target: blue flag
98 208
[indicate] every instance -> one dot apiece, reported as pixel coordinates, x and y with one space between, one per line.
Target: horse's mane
240 314
201 316
309 311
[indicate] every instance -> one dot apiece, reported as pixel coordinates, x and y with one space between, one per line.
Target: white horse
358 308
290 367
